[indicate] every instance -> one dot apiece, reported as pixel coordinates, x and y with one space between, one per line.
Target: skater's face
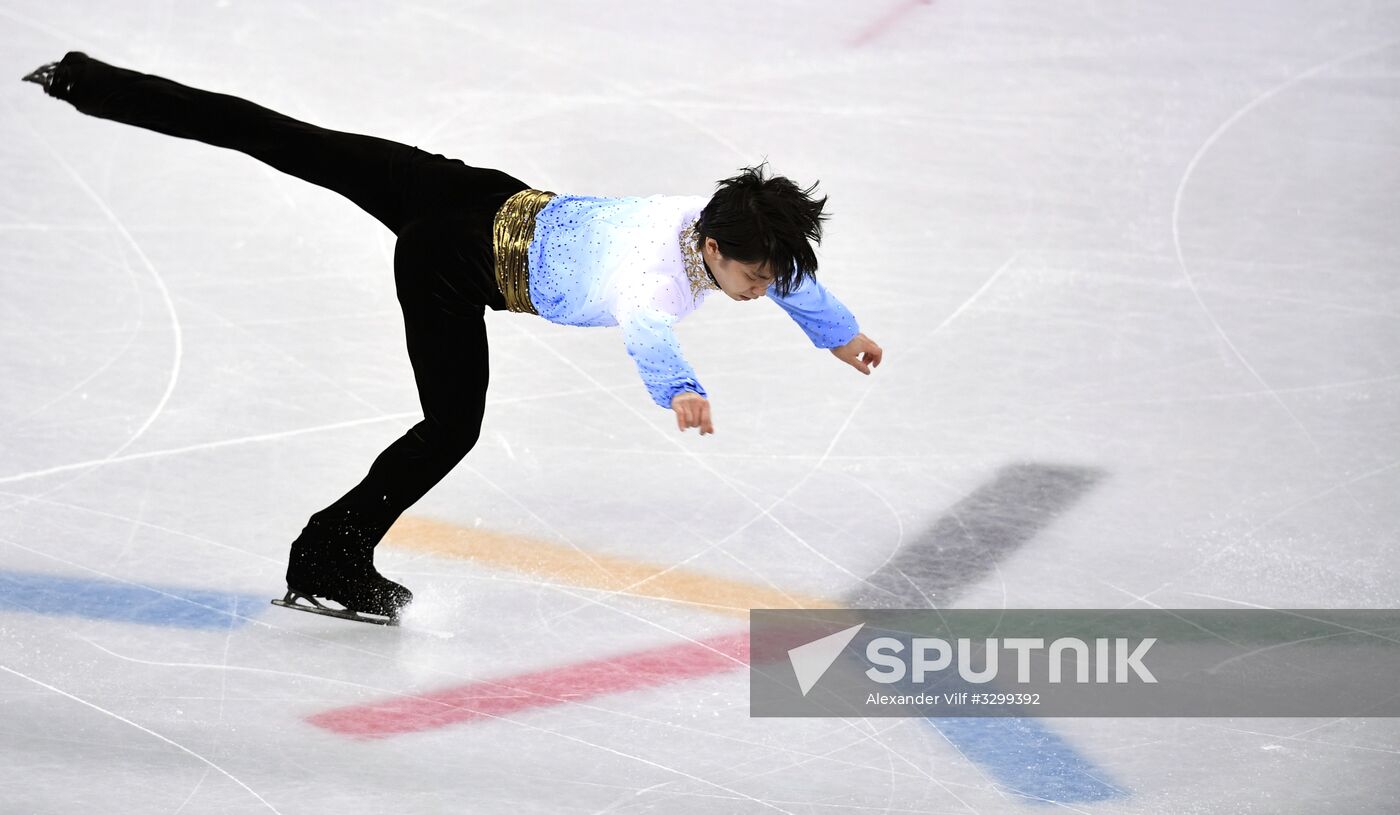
741 281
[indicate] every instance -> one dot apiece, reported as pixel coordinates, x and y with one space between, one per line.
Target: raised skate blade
309 604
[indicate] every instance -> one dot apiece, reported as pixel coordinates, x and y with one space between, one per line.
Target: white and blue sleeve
826 320
649 334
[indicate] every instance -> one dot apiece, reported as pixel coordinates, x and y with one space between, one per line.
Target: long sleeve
648 332
826 321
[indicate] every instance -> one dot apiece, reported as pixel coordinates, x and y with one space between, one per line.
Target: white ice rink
1155 241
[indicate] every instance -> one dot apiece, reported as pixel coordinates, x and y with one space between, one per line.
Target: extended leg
370 171
395 183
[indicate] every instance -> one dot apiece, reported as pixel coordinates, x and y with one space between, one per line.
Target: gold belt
512 231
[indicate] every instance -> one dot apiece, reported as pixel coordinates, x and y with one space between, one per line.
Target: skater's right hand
692 410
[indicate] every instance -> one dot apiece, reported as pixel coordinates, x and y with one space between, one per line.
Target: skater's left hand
860 353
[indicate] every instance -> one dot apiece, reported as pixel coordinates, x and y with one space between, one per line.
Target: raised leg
370 171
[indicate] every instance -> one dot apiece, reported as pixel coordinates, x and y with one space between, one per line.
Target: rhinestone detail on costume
695 271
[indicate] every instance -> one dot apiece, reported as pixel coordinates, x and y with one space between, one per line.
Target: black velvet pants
441 211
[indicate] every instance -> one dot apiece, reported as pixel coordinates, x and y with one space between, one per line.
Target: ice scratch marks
143 524
1250 533
211 445
1191 169
985 527
112 358
176 333
104 711
259 437
702 464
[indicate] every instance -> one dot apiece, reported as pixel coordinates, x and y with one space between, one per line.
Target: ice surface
1151 241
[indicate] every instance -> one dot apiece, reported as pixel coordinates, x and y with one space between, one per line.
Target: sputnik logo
811 661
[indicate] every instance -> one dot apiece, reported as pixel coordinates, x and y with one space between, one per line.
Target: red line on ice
886 22
545 688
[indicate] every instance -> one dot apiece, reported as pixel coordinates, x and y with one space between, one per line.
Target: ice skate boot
318 574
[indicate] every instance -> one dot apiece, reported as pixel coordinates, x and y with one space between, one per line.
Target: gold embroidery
695 270
512 230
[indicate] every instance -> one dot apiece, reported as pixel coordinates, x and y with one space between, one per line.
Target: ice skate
374 607
57 78
318 574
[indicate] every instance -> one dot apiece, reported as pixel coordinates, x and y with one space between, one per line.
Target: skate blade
38 74
311 606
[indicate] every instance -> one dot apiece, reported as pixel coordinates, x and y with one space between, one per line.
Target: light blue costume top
623 261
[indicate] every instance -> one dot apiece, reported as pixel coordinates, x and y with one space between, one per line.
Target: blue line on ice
178 606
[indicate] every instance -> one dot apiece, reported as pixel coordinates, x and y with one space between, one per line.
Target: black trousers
441 211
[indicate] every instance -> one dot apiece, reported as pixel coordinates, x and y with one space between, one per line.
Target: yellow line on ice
564 564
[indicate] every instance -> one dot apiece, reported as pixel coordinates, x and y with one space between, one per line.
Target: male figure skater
471 238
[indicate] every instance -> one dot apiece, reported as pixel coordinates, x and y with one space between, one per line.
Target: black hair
770 221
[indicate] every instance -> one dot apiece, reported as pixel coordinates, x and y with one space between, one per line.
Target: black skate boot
58 78
340 570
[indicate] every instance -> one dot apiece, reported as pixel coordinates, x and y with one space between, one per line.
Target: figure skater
470 238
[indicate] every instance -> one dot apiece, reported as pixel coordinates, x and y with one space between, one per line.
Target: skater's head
758 231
